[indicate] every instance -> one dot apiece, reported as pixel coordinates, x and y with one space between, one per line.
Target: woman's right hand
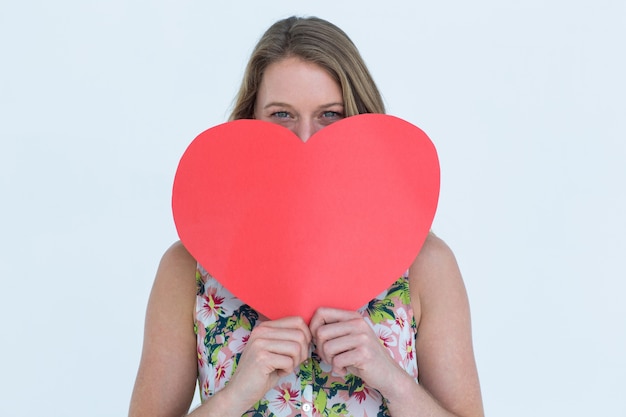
275 348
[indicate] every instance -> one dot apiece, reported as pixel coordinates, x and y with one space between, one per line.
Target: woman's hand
275 349
348 343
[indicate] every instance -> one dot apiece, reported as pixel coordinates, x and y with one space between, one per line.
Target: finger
327 315
280 333
350 347
283 347
277 357
338 329
289 323
347 362
329 349
336 338
285 341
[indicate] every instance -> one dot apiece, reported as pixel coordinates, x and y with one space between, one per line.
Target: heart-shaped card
289 226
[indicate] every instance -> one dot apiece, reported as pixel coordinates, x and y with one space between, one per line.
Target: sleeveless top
223 324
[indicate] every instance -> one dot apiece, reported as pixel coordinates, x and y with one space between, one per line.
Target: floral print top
223 324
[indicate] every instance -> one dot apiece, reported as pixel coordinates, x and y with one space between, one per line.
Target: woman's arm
447 372
168 370
447 369
167 373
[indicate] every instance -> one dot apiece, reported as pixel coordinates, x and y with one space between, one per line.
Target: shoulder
177 256
175 277
435 279
435 262
176 263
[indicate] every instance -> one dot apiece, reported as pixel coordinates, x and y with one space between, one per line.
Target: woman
306 74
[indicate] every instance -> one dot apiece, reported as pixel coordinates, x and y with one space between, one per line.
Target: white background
524 100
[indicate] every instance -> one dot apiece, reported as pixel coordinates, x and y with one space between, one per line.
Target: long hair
318 41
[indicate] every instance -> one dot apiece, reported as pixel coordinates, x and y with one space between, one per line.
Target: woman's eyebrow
276 104
331 105
281 104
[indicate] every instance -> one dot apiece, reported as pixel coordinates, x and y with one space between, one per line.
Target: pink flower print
407 350
386 337
211 303
360 394
201 333
222 370
216 301
238 340
400 322
206 390
284 399
200 356
361 401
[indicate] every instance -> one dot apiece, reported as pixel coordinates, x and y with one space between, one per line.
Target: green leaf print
210 339
320 402
354 384
335 387
306 374
199 283
235 363
320 376
213 352
247 316
232 323
338 410
400 289
243 317
380 310
220 324
382 410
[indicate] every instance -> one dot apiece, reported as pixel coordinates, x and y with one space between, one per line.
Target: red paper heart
289 226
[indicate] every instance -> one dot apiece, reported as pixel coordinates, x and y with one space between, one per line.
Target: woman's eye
280 114
332 115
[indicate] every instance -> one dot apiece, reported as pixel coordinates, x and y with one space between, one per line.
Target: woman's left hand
347 342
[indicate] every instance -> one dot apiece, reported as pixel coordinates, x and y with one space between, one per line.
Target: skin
304 98
300 96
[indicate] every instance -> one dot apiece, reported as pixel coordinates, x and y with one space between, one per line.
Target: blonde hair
318 41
